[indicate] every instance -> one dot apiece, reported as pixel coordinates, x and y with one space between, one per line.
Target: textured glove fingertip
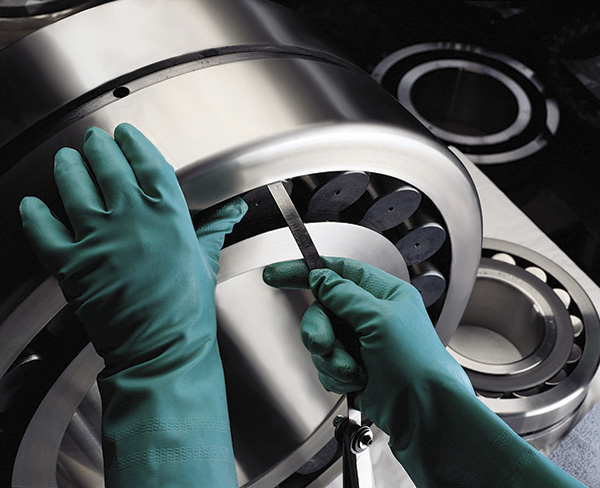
320 281
92 134
287 274
235 210
317 331
317 343
217 223
338 387
48 237
125 129
33 212
318 277
65 157
269 275
25 207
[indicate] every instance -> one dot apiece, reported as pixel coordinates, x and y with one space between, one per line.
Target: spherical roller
240 98
527 339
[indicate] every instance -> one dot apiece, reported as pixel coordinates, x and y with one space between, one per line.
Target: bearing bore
527 338
488 105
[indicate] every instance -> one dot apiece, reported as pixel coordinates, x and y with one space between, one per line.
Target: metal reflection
529 351
202 97
488 105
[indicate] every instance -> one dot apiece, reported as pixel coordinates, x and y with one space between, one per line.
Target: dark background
558 187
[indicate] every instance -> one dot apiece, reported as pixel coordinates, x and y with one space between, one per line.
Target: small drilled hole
121 92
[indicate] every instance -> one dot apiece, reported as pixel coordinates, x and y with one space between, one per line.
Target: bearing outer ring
532 127
533 411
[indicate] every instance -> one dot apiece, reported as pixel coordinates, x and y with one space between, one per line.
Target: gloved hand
142 283
413 389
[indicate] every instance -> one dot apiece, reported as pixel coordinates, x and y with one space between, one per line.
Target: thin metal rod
297 227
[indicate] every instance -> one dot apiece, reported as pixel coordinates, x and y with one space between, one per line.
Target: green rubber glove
413 389
142 282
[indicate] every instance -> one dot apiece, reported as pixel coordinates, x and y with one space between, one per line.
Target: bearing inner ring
525 337
452 88
513 308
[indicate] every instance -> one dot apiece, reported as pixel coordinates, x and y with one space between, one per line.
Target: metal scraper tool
353 437
296 225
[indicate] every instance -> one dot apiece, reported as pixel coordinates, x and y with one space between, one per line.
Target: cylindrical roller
333 192
429 281
421 242
391 209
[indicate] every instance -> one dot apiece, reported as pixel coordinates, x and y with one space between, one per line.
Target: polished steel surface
370 148
520 310
43 437
281 367
489 105
62 48
542 416
554 385
17 19
349 240
80 460
310 128
37 310
293 220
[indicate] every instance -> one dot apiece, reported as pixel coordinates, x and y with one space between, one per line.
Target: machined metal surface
521 342
536 323
296 225
21 17
544 412
240 98
281 370
488 105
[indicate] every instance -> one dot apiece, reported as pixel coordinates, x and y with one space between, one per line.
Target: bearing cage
547 405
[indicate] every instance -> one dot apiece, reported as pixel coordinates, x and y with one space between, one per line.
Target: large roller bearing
528 339
236 95
490 106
